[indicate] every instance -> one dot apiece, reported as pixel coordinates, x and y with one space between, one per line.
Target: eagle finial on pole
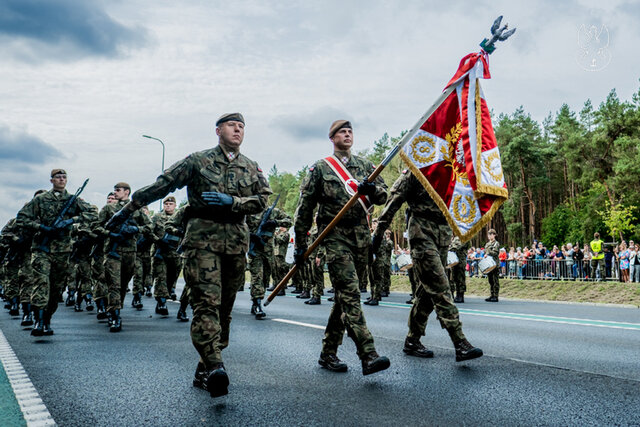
497 34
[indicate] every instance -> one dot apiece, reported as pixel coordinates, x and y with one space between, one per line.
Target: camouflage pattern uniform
51 269
429 238
280 246
166 263
457 272
216 238
381 269
119 265
176 226
10 237
98 278
261 264
142 278
346 245
492 249
84 242
316 272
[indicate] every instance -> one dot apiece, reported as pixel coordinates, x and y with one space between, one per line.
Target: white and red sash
350 183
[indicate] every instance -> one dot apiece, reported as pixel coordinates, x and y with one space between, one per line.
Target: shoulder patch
405 171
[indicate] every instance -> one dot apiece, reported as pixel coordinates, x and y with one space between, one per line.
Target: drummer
492 249
429 237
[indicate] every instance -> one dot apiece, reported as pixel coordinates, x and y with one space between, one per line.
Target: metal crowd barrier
547 269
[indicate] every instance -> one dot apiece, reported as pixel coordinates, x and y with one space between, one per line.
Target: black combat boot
256 309
330 291
137 301
101 313
172 292
218 381
37 330
116 324
296 291
492 298
459 297
161 307
78 305
331 299
332 363
271 288
14 310
71 298
373 363
182 314
109 319
304 294
281 293
465 351
46 328
372 301
88 299
27 317
384 294
413 347
148 293
7 305
313 301
200 377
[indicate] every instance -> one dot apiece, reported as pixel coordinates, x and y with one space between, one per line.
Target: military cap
57 171
169 199
230 117
492 231
337 125
122 185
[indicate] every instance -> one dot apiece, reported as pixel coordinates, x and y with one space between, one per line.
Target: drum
452 259
404 261
486 265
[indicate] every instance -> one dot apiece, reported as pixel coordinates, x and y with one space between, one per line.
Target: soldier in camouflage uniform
100 289
51 245
223 187
166 262
261 259
492 249
84 242
175 226
280 266
429 238
457 272
16 250
120 252
346 244
142 278
316 271
381 270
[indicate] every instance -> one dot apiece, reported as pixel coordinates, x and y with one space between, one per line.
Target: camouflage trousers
84 284
346 312
599 265
166 271
494 281
26 279
51 272
316 273
413 279
260 269
100 289
362 271
458 278
12 282
375 277
280 268
142 279
432 293
213 280
118 273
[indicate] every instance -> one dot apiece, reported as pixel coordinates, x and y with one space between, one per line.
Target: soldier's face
343 139
230 134
59 181
169 207
111 199
121 193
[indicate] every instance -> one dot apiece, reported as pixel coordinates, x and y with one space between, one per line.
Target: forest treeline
569 176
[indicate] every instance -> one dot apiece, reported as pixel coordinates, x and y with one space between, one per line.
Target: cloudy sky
82 81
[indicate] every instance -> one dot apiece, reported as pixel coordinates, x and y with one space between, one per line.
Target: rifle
260 233
44 244
166 244
82 246
119 239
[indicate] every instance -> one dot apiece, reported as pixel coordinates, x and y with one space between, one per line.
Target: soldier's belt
221 218
344 222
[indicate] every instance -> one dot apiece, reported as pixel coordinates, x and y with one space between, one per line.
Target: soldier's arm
175 224
381 190
253 222
257 202
143 222
283 220
87 213
306 204
28 217
396 198
103 216
176 176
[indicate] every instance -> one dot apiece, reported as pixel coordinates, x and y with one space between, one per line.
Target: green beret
237 117
122 185
57 171
337 125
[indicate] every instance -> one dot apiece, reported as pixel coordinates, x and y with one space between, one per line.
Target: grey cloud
18 148
312 125
63 29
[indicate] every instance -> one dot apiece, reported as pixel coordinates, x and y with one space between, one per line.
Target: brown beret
237 117
492 231
122 185
337 125
57 171
169 199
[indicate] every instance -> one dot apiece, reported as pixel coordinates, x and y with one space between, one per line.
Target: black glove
129 230
271 224
376 241
255 238
118 219
367 188
214 198
298 258
60 225
115 235
46 229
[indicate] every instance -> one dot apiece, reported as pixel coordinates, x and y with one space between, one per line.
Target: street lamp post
162 171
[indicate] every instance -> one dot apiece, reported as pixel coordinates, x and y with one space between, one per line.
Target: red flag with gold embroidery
455 154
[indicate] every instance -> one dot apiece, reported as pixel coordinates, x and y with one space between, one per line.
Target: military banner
455 155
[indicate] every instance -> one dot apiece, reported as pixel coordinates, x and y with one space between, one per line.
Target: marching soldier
457 272
120 252
51 245
346 245
223 187
316 271
381 270
261 258
142 278
492 249
175 226
429 238
84 242
280 245
100 289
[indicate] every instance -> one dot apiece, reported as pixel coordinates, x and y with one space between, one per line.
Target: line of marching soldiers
42 255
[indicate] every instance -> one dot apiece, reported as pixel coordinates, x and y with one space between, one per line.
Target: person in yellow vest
597 257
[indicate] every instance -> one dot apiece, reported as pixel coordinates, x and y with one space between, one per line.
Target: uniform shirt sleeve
257 202
176 176
28 216
306 204
397 197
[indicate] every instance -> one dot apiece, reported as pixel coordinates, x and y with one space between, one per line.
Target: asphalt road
544 364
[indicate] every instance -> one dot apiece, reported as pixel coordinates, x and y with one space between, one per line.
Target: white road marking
293 322
33 409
